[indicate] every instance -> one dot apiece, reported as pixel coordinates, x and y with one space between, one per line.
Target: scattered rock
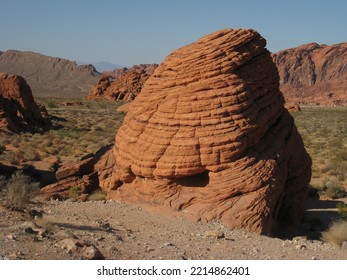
11 237
344 245
293 107
298 239
83 248
214 233
71 245
300 247
90 252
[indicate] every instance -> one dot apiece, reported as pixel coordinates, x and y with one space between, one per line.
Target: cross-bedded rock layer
209 137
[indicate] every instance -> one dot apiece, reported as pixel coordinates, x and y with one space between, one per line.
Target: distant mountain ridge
49 76
313 74
102 66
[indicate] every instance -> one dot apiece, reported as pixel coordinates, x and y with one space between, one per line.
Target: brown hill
313 74
18 110
49 76
122 84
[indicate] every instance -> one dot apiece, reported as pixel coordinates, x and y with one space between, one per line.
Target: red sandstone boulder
293 107
313 74
18 110
123 85
82 176
208 138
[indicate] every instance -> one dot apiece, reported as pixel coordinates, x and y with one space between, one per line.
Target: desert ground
114 230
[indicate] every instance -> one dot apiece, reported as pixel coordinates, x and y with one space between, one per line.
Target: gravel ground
119 231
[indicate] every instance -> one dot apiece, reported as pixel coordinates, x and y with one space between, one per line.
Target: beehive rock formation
124 85
314 74
18 110
208 138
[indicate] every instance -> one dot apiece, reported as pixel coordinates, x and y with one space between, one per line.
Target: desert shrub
19 189
74 192
327 167
9 157
30 154
45 223
51 104
333 189
336 233
97 196
342 209
2 181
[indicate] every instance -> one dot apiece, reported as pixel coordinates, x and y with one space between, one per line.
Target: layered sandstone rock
84 176
314 74
18 110
122 85
209 138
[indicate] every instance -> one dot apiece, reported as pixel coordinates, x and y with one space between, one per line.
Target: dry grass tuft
97 195
19 189
336 234
45 223
74 192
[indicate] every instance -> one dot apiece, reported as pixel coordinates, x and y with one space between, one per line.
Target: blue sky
146 31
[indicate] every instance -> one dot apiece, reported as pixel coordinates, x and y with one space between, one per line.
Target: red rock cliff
314 74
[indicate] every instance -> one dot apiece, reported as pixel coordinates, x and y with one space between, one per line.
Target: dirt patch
122 231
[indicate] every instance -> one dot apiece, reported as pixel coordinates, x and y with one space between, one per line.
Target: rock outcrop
50 76
209 138
124 84
18 110
314 74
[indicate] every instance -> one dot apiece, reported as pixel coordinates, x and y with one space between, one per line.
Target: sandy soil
123 231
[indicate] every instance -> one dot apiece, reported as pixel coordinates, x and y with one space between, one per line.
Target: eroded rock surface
314 74
18 110
209 138
124 84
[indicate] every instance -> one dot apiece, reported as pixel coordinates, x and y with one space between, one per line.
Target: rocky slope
122 84
49 76
314 74
199 140
18 110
